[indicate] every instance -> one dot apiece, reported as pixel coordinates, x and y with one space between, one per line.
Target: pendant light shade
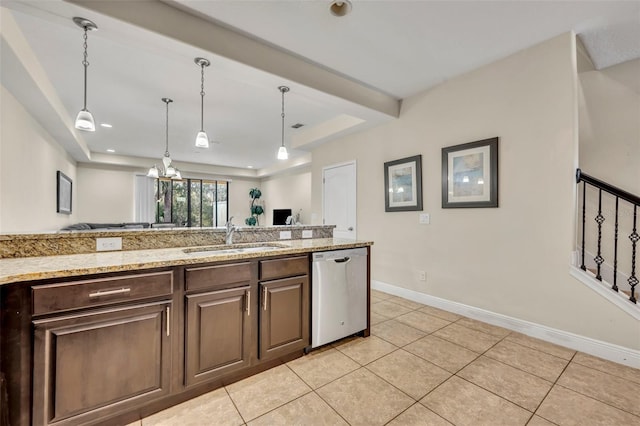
202 140
283 154
153 172
84 119
282 151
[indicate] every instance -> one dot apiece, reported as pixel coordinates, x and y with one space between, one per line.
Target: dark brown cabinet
284 316
89 365
109 349
217 333
284 306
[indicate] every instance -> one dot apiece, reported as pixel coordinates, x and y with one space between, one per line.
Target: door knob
350 228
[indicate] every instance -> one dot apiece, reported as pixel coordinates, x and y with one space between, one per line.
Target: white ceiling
393 49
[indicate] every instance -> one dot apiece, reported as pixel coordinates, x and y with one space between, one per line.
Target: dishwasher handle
343 260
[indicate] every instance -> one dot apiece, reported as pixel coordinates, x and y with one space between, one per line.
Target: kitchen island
111 337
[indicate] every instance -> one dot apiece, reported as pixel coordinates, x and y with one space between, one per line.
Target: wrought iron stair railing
622 200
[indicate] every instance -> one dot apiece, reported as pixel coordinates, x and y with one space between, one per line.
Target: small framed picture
470 174
403 184
64 193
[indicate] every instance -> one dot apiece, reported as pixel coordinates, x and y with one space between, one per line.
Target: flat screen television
280 216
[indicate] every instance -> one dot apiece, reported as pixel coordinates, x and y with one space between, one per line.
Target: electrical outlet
422 275
109 244
424 218
285 235
307 233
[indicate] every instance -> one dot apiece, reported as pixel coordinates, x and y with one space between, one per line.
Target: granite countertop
39 268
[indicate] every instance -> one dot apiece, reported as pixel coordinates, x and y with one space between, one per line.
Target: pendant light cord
283 91
85 63
202 98
166 133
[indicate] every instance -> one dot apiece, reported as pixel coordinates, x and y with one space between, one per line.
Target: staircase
608 236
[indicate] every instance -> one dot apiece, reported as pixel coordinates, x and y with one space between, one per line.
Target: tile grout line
320 387
605 372
501 396
520 369
414 404
234 405
555 383
380 377
593 397
542 350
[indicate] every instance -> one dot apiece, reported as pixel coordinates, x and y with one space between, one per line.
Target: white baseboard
584 344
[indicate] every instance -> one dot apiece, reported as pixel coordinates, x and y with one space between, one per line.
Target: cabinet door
90 365
284 316
218 332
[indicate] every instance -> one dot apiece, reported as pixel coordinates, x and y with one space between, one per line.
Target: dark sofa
103 226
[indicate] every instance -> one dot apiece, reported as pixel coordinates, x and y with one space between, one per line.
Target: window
191 202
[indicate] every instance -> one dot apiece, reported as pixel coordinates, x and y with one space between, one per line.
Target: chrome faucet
231 228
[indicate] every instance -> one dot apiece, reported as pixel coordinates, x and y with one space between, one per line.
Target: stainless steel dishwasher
339 295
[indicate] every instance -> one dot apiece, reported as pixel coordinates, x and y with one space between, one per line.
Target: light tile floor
425 366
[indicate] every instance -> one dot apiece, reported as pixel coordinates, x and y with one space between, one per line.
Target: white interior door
339 199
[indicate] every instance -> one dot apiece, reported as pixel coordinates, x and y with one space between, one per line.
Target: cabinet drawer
105 291
209 277
281 268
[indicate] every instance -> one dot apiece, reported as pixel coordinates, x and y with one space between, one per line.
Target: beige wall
512 260
239 200
291 190
105 195
29 159
610 125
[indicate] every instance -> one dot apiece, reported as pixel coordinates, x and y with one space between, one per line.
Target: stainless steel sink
233 249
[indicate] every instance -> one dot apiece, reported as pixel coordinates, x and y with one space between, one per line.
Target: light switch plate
425 218
285 235
307 233
109 244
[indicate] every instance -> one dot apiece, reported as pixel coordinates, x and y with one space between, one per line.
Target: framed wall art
64 192
470 174
403 184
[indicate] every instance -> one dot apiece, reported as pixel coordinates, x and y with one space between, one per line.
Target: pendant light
202 140
282 152
84 119
168 170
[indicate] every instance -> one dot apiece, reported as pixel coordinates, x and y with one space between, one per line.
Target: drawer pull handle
264 298
248 293
168 321
101 293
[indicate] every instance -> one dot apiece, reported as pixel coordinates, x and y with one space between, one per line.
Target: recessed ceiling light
249 167
111 150
107 125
